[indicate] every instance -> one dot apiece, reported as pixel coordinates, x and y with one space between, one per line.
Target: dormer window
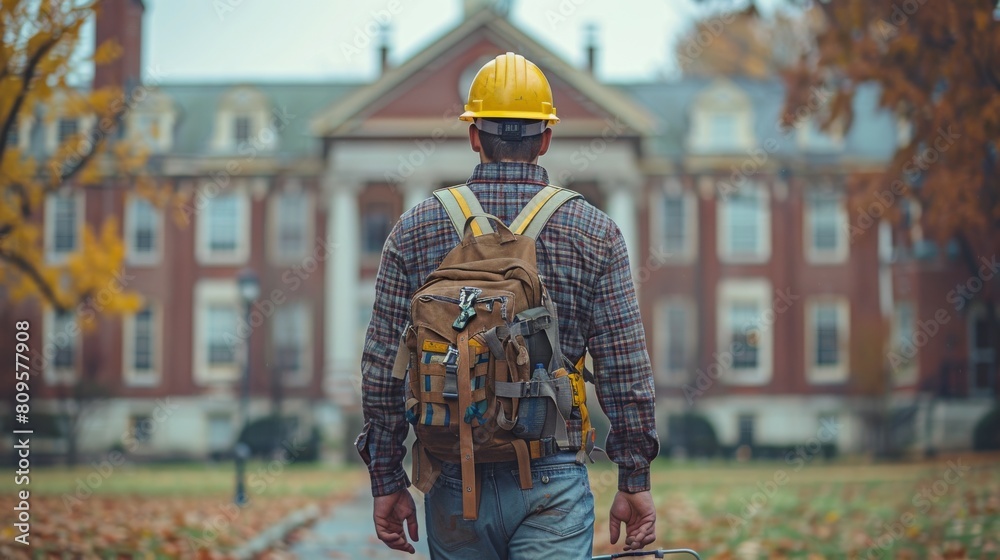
152 122
721 120
244 118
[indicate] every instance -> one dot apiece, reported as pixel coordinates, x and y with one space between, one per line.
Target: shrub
986 435
693 433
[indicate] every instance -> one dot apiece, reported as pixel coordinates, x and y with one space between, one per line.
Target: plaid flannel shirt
583 261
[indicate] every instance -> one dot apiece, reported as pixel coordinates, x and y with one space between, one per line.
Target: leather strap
523 463
467 460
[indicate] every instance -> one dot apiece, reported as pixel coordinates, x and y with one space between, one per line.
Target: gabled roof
338 118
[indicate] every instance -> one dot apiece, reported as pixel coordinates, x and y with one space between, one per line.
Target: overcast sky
226 40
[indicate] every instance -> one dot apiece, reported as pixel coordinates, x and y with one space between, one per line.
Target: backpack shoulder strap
540 208
460 202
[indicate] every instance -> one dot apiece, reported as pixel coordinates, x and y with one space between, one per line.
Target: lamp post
249 292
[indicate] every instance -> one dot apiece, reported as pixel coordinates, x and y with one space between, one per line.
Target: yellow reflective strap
526 221
476 230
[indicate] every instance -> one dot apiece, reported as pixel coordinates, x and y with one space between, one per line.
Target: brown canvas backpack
487 380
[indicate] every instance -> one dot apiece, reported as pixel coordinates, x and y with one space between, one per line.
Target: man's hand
638 514
390 512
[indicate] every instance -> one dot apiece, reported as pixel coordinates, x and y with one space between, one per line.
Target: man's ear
546 140
474 139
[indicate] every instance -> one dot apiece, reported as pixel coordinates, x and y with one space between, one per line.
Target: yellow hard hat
510 87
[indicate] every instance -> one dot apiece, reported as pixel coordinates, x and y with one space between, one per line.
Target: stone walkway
348 533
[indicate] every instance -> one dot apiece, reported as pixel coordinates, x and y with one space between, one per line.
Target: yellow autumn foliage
35 70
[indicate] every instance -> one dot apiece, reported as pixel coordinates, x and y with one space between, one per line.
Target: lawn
160 512
947 508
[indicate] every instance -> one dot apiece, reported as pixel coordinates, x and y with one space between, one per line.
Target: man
583 260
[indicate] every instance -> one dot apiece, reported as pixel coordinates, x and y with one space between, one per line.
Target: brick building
766 302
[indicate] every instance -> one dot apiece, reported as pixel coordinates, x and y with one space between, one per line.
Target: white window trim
657 231
725 251
134 257
243 216
133 378
304 374
822 375
61 376
211 293
51 256
665 376
842 252
275 254
758 292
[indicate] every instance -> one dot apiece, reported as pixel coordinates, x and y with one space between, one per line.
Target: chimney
590 46
120 20
502 8
383 48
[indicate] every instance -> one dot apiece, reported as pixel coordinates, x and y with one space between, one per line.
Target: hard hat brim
470 116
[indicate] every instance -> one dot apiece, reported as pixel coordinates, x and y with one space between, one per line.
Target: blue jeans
552 520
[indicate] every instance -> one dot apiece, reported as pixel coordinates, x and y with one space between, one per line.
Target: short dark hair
526 149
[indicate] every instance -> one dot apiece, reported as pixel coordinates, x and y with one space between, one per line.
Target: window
744 335
827 339
142 356
142 428
224 229
292 223
673 223
376 225
746 314
745 425
722 131
65 345
63 223
827 343
676 329
241 129
219 332
745 223
221 324
290 330
743 218
67 128
61 333
143 224
223 217
674 339
982 355
826 223
140 346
